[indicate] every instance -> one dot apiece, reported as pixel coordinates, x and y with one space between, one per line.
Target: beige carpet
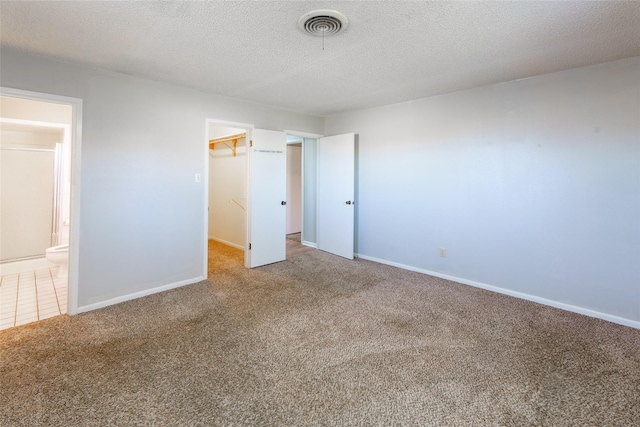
318 340
295 237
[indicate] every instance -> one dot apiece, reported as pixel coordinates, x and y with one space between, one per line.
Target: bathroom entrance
36 139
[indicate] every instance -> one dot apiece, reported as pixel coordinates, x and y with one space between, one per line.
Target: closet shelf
225 139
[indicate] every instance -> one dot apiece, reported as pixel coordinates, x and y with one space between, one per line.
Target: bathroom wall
310 183
44 112
27 188
142 215
33 137
294 188
25 109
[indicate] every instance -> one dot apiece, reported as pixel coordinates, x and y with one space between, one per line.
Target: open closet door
267 198
336 167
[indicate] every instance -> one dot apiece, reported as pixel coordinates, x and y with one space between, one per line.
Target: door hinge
251 143
249 246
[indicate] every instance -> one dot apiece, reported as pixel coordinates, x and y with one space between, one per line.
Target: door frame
75 139
302 196
249 128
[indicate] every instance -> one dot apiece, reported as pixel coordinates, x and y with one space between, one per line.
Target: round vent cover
323 22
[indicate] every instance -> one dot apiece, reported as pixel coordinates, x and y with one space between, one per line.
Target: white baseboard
24 266
310 244
135 295
568 307
233 245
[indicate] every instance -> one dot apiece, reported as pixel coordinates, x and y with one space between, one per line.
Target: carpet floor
295 237
320 340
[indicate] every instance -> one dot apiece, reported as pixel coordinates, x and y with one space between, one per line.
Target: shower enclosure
35 208
30 185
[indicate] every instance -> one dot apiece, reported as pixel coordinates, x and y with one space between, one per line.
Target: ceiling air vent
323 22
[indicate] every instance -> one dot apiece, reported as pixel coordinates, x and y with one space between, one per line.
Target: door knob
283 203
348 202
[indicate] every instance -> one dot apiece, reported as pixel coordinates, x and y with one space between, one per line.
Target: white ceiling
392 51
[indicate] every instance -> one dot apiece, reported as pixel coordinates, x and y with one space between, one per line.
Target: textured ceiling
390 52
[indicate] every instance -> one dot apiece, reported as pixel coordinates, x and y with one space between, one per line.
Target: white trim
233 245
303 134
556 304
39 150
229 124
38 96
136 295
76 156
23 266
35 123
302 192
205 179
310 244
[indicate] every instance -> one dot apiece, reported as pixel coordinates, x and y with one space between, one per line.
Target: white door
267 198
336 163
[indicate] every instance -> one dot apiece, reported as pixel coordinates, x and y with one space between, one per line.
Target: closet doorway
227 194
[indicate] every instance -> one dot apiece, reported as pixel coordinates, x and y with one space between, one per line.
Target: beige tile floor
32 296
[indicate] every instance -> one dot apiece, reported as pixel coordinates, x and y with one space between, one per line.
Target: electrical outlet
443 252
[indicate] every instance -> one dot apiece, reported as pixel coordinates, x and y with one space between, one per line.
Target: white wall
228 193
531 186
26 109
294 189
142 214
32 138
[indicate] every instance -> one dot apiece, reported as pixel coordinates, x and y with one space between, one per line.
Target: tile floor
37 295
28 297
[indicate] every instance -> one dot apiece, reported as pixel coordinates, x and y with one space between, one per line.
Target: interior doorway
327 191
39 204
294 187
227 190
307 144
273 205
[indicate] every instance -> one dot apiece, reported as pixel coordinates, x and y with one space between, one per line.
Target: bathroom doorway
302 183
294 187
37 148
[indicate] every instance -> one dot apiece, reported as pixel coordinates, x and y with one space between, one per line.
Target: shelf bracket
224 140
